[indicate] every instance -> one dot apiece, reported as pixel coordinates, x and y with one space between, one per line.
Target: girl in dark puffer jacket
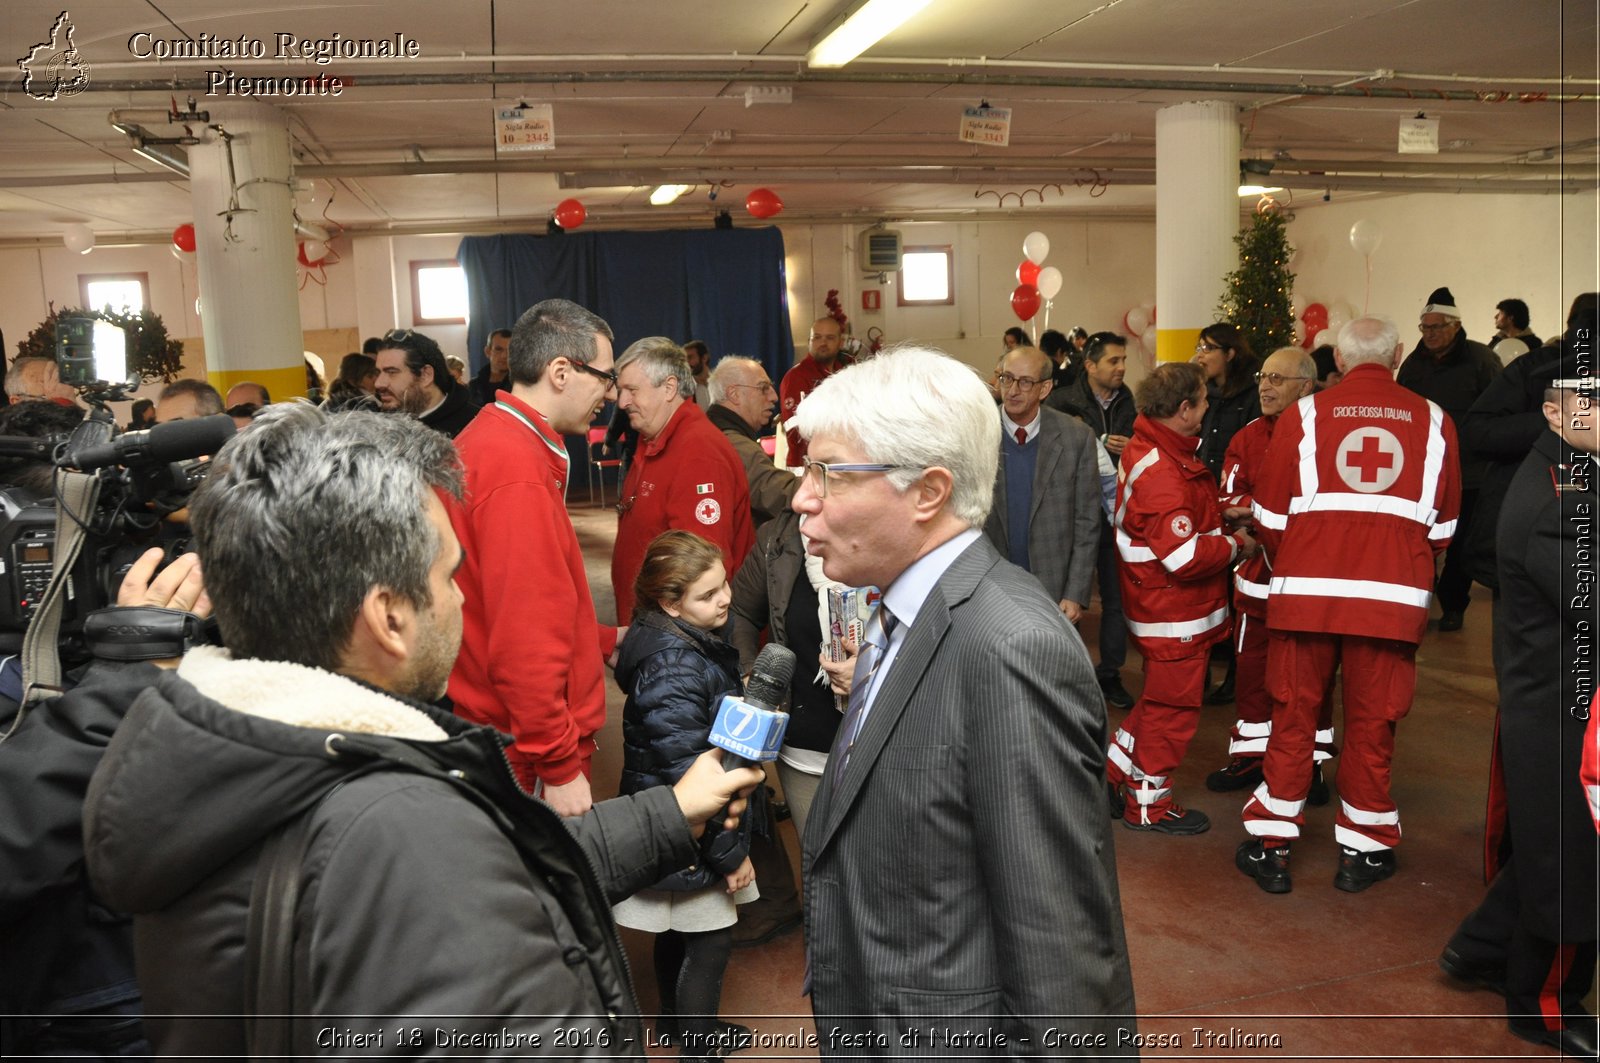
675 668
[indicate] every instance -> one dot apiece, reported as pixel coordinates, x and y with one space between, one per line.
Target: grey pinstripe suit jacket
961 875
1064 513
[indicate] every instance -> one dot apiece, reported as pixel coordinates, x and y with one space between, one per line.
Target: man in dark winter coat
1533 938
298 790
1452 371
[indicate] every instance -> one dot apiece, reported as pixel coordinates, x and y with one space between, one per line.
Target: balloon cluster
1139 323
1037 284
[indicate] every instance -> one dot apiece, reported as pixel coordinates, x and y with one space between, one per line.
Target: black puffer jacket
675 676
1454 379
415 903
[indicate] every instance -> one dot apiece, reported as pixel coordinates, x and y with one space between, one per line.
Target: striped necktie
874 647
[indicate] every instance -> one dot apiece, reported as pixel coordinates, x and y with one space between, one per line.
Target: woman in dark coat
1232 400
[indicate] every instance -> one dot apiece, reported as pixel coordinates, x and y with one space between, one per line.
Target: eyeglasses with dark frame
763 387
1204 348
1026 383
1277 379
608 375
817 471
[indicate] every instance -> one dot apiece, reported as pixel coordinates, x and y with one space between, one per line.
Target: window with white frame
125 292
927 277
438 292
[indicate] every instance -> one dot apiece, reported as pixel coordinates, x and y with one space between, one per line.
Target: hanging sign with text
986 125
1419 136
530 127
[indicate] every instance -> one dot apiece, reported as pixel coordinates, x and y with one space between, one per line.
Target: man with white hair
1451 370
1288 375
742 400
958 863
685 474
1357 496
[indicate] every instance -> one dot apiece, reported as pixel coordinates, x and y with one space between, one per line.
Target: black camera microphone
173 441
750 729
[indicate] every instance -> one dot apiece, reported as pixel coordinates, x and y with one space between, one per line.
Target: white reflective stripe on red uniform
1352 502
1433 462
1592 791
1268 519
1130 553
1308 447
1117 753
1249 587
1352 839
1263 800
1181 629
1134 473
1361 589
1252 737
1185 553
1447 530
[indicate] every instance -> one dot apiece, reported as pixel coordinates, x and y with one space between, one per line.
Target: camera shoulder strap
76 494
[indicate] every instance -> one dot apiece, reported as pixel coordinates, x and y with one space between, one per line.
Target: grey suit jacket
960 874
1064 514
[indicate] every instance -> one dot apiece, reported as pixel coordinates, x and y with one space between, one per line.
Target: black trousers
1455 582
1545 979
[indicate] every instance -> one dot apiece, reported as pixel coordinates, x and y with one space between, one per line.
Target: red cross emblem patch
1370 459
709 511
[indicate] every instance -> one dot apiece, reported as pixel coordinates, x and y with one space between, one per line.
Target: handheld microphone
173 441
750 729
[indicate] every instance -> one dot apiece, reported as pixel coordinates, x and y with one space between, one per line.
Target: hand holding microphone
750 729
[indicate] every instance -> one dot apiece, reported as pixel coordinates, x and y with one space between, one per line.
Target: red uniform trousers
1380 678
1150 744
1251 730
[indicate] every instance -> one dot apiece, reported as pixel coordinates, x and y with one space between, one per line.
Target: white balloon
1318 338
1148 338
315 250
1049 282
79 238
1365 236
1138 319
1337 319
1035 247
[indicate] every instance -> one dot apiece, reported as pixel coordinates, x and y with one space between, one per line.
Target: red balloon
1025 302
183 238
1315 317
570 214
1028 273
763 203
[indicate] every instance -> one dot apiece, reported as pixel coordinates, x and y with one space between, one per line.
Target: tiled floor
1333 975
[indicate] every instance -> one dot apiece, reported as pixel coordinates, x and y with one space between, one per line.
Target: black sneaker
1359 870
1242 773
1175 820
1319 788
1269 867
1116 694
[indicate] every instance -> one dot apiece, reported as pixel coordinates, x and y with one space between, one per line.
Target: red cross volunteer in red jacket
1174 558
685 474
1287 376
1358 496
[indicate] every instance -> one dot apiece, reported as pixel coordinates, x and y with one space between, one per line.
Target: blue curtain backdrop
723 286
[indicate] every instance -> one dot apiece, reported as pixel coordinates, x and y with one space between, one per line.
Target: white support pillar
1197 216
245 251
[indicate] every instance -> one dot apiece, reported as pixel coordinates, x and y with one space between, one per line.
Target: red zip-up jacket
1240 468
1173 553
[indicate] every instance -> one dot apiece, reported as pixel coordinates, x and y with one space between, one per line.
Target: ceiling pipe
977 81
982 62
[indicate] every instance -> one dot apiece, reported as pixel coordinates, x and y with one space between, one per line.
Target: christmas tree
1256 295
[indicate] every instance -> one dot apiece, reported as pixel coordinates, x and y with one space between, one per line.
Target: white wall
1540 249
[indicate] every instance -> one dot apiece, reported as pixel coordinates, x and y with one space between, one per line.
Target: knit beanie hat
1442 302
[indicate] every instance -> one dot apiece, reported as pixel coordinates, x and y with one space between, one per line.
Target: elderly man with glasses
1453 371
742 401
1046 512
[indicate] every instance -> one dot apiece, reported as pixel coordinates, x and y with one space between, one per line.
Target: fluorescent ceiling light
864 27
1257 190
665 194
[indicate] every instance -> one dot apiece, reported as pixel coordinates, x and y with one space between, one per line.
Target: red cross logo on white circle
709 511
1181 526
1370 460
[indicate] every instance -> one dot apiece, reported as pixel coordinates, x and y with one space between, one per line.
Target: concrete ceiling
645 93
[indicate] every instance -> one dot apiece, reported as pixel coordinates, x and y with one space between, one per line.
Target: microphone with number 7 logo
750 729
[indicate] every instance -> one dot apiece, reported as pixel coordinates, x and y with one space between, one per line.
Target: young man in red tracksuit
1287 376
1174 558
1358 495
532 651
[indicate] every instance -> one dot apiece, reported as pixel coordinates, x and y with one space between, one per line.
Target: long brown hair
672 561
1241 370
